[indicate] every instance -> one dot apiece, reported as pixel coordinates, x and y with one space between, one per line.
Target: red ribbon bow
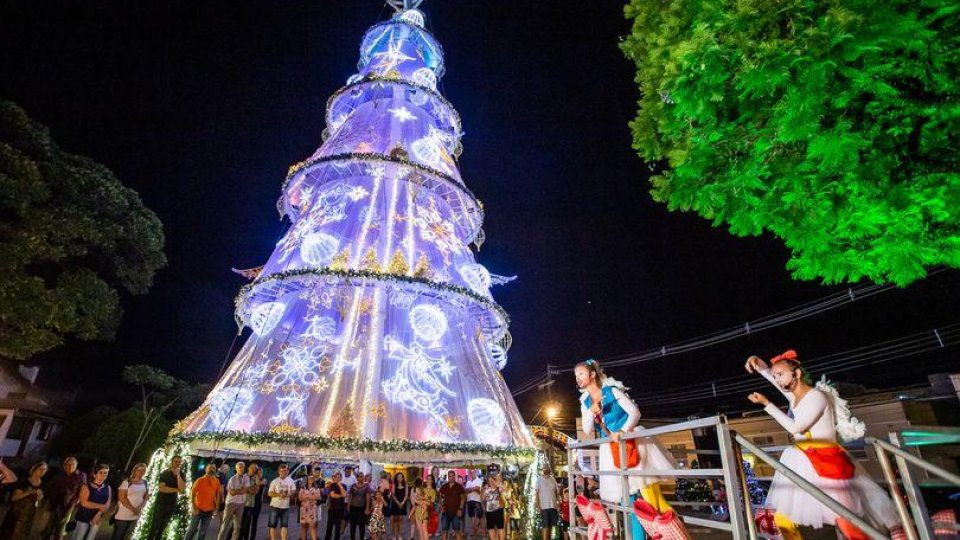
787 355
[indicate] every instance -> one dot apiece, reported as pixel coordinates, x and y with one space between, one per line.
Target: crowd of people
70 504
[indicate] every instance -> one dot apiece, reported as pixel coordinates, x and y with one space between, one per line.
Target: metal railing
811 489
729 473
921 527
742 524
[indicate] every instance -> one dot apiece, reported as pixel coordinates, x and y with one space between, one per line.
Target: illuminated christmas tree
374 333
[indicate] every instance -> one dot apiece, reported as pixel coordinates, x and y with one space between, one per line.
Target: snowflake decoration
436 230
297 366
391 58
401 114
321 385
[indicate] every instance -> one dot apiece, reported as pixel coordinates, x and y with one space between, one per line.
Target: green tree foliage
72 237
834 125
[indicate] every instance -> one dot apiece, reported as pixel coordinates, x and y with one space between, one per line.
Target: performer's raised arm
756 365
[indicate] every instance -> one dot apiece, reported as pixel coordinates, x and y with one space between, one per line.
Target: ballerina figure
606 409
818 415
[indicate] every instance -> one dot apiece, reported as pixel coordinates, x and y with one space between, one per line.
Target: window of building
20 428
46 430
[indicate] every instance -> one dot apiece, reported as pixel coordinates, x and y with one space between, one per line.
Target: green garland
373 275
352 444
378 79
159 462
374 156
383 158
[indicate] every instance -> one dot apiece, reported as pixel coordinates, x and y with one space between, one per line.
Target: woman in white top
606 409
131 496
817 456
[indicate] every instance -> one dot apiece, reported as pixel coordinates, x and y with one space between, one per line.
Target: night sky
201 106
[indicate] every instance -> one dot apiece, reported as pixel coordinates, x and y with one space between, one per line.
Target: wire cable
793 314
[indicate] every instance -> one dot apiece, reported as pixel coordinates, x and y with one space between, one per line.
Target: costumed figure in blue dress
607 410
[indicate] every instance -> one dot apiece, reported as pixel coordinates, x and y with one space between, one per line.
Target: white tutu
652 458
860 494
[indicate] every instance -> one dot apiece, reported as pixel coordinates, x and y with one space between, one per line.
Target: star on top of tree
403 5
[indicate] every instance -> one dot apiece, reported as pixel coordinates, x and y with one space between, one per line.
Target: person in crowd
131 497
384 487
607 410
62 494
564 503
252 503
336 497
95 499
238 487
472 487
348 481
25 500
423 497
494 508
205 497
170 485
433 482
818 416
378 523
452 499
547 502
358 502
308 496
386 483
435 475
280 492
398 506
321 486
223 474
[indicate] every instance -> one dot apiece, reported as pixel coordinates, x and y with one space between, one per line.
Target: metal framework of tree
833 125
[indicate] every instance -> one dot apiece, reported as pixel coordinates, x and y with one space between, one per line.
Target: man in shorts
547 502
452 497
281 490
474 509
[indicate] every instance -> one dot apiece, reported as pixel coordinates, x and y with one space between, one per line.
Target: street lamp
552 412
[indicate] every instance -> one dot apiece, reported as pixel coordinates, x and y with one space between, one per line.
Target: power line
841 365
796 313
821 362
